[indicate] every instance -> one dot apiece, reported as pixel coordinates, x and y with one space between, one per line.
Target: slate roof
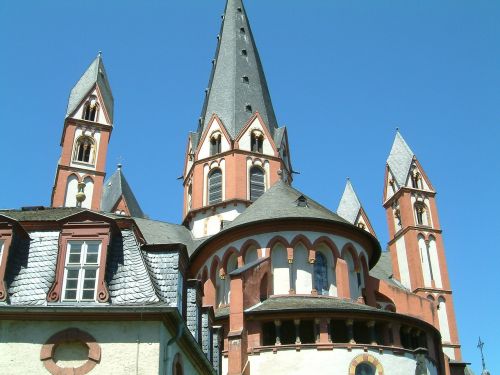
383 270
133 277
400 159
229 92
297 303
159 233
281 202
95 74
349 205
114 189
45 214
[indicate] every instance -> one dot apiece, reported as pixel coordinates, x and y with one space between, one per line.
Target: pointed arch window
421 214
257 183
84 150
415 179
215 186
215 144
91 109
320 274
257 141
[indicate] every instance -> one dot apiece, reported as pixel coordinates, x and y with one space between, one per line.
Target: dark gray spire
237 87
117 188
94 75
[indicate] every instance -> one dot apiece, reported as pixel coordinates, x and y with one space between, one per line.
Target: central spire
237 87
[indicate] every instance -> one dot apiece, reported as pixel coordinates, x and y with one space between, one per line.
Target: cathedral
259 278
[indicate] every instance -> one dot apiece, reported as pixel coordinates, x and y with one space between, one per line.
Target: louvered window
257 186
215 186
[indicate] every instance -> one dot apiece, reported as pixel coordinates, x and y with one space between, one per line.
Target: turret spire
237 87
94 75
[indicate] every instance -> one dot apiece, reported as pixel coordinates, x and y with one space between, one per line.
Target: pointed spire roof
400 159
117 188
237 87
349 205
94 75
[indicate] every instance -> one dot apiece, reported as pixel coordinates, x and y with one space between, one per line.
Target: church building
258 278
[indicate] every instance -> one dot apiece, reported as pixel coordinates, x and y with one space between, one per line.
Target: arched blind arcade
215 186
257 185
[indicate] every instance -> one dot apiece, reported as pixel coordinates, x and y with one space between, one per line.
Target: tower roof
116 188
237 87
349 205
94 75
400 159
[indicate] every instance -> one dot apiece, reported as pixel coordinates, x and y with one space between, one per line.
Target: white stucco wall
71 190
436 270
424 258
208 223
404 271
444 327
331 362
245 141
126 347
205 146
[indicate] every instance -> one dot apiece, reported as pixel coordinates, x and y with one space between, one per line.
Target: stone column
342 272
296 322
277 326
373 335
350 331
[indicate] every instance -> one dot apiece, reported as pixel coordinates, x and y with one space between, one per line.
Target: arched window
177 365
84 150
215 141
189 196
257 184
365 368
215 186
257 141
415 179
321 274
421 214
90 109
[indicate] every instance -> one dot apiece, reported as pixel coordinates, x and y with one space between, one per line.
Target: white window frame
82 267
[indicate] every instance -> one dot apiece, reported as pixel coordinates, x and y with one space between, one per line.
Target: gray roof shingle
126 274
95 74
115 188
400 159
229 93
349 205
281 202
31 269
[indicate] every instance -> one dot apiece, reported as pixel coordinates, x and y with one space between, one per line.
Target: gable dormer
214 140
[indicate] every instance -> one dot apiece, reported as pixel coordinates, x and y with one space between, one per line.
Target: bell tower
85 137
238 150
416 242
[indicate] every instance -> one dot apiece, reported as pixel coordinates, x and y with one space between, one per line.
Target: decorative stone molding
365 358
48 350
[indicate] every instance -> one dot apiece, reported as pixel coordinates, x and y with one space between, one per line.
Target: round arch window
365 368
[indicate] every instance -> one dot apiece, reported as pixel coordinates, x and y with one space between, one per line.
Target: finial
99 54
397 129
119 166
348 178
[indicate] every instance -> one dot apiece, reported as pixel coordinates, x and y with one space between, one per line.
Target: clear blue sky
342 74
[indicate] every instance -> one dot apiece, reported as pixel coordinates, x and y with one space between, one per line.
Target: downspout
180 331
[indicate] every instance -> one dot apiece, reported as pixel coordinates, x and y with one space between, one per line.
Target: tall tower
238 151
416 242
85 137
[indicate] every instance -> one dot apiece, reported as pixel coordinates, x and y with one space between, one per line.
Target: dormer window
215 144
90 110
81 270
81 265
257 141
84 150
